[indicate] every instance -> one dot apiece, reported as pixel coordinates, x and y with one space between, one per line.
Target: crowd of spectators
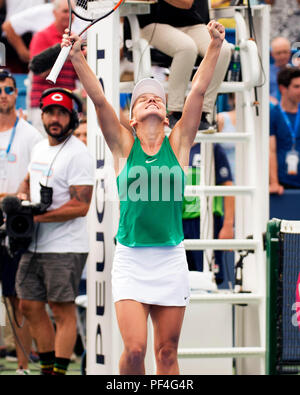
27 27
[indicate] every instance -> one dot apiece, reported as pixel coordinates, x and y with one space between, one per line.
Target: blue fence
286 206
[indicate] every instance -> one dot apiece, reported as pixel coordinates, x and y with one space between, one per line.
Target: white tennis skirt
151 275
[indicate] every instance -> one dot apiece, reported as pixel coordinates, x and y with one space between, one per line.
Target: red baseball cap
57 98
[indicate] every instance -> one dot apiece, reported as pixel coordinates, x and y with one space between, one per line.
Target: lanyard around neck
293 130
12 136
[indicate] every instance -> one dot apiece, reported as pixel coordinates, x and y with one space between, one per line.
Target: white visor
147 85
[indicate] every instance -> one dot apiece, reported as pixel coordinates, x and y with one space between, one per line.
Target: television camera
17 217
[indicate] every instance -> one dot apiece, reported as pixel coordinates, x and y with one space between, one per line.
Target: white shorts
151 275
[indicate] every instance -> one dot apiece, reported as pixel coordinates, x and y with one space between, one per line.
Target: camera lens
20 225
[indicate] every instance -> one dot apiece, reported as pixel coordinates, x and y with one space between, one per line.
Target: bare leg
132 319
167 323
40 325
66 329
23 335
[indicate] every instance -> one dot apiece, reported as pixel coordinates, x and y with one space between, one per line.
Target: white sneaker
23 372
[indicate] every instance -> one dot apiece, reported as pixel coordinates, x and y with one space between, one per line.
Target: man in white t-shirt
21 23
15 46
27 20
15 151
17 139
50 271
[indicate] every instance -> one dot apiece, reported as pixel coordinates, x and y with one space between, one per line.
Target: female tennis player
150 273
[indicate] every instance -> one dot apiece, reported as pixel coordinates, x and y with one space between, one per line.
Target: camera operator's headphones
63 98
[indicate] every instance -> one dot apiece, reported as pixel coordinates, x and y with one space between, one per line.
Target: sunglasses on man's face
8 90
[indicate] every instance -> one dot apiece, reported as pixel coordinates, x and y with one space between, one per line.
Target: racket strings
81 8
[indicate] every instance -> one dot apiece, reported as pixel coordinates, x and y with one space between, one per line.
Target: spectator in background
17 139
81 131
41 41
20 24
178 29
285 133
223 215
50 271
15 60
285 19
281 53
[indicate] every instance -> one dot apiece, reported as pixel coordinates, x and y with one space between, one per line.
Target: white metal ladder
252 177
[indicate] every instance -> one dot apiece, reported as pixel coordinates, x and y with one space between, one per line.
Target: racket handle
58 65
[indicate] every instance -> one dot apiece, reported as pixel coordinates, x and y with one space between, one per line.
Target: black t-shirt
162 12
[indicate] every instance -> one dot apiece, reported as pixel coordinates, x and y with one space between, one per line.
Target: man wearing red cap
50 271
59 101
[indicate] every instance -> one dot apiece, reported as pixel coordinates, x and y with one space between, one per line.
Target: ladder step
221 352
231 298
230 87
222 137
132 8
224 244
197 190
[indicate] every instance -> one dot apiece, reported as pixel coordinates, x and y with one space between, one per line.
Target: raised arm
184 132
118 138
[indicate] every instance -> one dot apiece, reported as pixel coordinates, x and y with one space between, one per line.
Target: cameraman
50 271
17 139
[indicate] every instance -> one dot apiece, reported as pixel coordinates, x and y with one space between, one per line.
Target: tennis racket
79 8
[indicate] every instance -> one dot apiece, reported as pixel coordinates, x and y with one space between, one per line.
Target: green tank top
151 191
